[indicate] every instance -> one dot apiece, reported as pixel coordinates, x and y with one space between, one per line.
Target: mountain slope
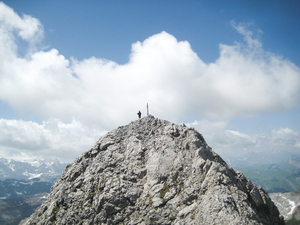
289 206
154 172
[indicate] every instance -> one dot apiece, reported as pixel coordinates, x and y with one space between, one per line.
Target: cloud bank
245 81
26 140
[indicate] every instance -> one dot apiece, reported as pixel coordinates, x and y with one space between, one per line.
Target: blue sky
73 70
106 29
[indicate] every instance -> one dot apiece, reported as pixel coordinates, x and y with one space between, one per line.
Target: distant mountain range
274 177
282 182
23 187
18 179
12 211
11 169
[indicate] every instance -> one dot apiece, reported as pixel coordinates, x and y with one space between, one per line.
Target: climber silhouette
139 114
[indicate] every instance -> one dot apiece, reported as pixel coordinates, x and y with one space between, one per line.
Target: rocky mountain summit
152 171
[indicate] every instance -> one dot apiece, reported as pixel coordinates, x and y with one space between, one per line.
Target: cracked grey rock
152 171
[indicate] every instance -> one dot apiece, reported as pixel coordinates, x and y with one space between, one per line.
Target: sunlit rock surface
152 171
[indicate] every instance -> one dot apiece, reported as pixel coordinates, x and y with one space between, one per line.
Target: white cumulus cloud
244 81
52 139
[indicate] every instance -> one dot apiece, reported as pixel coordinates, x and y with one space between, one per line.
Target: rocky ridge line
152 171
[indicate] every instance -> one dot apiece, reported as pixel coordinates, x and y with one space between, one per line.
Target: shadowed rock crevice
152 171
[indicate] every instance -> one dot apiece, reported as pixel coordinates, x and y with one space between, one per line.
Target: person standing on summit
139 114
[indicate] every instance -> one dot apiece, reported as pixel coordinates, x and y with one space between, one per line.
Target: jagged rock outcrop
152 171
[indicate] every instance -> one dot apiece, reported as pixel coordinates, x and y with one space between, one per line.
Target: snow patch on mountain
38 168
287 203
11 166
293 206
32 175
36 163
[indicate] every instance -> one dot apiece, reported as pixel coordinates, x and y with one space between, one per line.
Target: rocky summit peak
152 171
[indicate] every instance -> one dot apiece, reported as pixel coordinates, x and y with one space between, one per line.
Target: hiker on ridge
139 114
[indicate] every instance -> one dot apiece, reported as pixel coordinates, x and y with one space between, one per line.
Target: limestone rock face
152 171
